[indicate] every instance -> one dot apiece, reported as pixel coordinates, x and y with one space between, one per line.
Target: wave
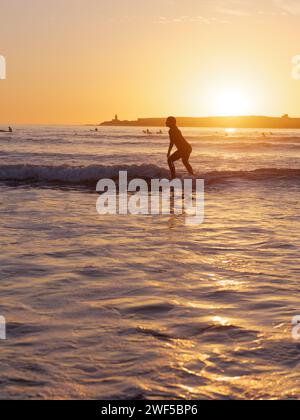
90 175
77 174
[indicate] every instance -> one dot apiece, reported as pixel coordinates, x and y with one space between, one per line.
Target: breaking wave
90 175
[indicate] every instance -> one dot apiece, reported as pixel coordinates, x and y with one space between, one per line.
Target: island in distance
219 122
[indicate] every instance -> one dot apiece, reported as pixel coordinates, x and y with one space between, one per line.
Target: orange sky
79 61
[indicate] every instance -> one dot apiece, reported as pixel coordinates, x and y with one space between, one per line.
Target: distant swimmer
159 132
147 132
9 130
184 149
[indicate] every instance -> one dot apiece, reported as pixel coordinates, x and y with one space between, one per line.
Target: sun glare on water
230 131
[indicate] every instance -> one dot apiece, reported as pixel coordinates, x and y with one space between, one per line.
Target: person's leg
171 160
185 161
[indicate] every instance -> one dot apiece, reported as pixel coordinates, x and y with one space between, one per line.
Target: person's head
171 122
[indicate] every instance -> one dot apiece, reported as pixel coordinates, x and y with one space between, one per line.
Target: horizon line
147 118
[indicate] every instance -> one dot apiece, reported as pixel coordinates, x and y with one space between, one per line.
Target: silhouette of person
10 130
184 149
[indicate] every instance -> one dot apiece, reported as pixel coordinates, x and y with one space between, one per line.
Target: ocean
146 307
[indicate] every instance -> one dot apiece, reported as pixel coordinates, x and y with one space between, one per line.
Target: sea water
145 306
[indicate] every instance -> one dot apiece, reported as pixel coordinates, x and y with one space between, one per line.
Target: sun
230 98
231 95
231 102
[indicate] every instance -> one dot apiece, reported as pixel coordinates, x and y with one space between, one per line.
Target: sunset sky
82 61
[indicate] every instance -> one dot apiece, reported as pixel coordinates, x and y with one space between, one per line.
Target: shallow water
145 306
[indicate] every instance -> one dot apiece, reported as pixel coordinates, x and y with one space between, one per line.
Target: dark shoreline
284 122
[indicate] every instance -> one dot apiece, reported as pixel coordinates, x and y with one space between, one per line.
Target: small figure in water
9 130
184 149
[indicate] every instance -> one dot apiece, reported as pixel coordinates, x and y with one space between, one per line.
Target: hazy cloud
233 12
226 11
250 7
190 19
244 8
290 6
